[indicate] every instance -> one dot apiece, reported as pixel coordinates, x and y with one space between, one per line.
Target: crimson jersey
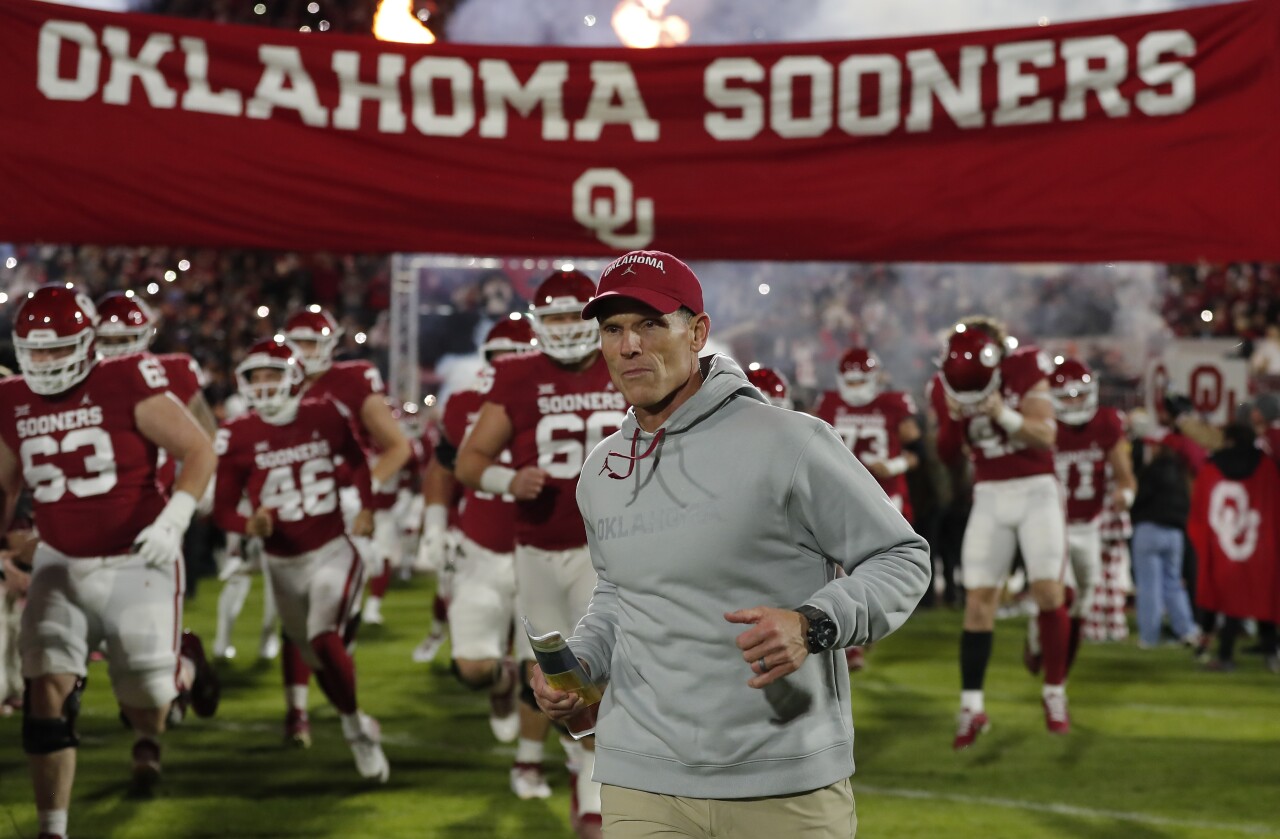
289 469
871 431
91 472
557 416
350 383
995 456
185 380
484 518
1081 460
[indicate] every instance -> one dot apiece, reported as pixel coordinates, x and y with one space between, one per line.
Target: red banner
1148 138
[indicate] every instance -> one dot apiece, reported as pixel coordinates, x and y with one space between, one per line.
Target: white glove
161 542
431 548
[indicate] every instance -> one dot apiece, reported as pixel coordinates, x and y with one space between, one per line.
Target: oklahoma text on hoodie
737 504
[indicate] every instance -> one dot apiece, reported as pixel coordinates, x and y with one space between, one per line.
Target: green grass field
1158 750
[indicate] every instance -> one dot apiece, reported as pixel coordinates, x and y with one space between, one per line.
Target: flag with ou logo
1233 527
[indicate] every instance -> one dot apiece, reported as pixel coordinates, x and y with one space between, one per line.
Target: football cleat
366 748
426 651
1056 717
504 715
528 781
205 688
969 724
146 766
269 645
297 728
373 611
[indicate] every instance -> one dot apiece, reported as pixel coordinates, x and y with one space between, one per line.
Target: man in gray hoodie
716 523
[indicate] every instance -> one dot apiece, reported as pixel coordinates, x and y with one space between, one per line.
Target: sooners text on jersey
350 383
290 470
995 456
557 416
1081 460
484 518
871 430
91 472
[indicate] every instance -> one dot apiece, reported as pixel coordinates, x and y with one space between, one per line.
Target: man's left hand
774 646
362 524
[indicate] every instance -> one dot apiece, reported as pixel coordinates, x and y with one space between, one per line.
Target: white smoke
586 22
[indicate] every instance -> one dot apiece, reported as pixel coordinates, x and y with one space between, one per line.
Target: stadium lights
314 308
324 26
4 298
755 365
170 276
260 9
304 28
1057 359
129 294
152 288
11 263
361 337
514 316
568 266
278 337
1206 316
313 7
589 20
764 288
263 311
429 400
70 285
183 265
1043 21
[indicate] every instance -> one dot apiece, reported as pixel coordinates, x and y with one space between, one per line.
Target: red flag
1233 528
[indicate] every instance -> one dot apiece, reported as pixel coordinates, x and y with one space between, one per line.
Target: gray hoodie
737 504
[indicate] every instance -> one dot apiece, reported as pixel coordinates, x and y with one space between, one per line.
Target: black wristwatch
822 629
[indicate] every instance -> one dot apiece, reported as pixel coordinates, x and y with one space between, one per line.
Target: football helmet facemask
564 293
1074 392
55 320
126 324
859 376
316 327
274 398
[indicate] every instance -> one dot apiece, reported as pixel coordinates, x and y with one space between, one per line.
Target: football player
126 324
1091 456
549 408
993 399
83 433
482 610
879 427
283 456
773 385
357 386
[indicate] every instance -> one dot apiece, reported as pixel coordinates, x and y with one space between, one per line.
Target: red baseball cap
654 278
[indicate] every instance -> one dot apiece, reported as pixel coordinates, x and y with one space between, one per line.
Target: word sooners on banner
1152 137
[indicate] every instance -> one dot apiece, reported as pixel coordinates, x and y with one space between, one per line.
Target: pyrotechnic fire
394 21
644 24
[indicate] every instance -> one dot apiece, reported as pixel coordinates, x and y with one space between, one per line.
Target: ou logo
1233 521
604 202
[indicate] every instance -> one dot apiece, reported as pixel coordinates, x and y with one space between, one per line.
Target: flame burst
644 24
394 21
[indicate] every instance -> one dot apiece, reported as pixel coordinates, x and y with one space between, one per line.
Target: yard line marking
1065 809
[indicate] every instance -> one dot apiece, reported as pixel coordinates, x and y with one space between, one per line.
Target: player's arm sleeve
594 637
886 561
229 483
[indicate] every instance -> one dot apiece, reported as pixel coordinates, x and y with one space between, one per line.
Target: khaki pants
826 813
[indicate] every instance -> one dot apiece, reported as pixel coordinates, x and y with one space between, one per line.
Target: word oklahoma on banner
1152 137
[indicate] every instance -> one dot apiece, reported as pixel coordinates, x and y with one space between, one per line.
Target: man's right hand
528 483
556 704
261 524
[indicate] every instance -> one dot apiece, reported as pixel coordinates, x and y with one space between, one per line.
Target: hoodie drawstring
633 457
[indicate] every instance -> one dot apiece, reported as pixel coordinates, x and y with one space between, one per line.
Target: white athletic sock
351 727
296 696
588 790
53 821
1054 690
971 701
529 751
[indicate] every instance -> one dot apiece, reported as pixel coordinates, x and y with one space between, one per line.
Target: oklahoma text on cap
654 278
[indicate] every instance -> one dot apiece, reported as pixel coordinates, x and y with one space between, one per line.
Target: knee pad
43 736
